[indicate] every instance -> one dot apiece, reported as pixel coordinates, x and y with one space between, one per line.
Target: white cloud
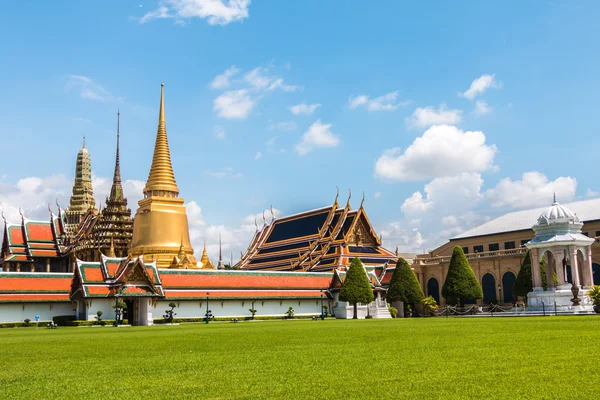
440 152
480 85
482 107
303 108
387 102
407 240
377 195
90 90
221 81
219 132
533 190
446 194
428 116
234 104
217 12
317 135
257 155
259 80
591 194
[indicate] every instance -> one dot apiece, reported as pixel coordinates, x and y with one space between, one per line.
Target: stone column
18 267
560 268
422 281
588 274
47 265
535 270
574 266
32 267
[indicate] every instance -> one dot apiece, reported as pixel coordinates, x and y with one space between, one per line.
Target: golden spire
181 253
161 180
111 251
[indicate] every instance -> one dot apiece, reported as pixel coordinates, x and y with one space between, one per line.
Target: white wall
238 308
18 312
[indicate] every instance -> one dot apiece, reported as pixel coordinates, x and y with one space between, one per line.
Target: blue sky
471 96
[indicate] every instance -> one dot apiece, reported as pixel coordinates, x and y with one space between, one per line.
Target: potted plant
594 294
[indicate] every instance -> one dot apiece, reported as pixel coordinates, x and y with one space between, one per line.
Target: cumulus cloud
387 102
408 240
480 85
441 151
428 116
306 109
90 90
260 80
222 81
216 12
533 190
317 135
377 195
227 172
416 204
234 104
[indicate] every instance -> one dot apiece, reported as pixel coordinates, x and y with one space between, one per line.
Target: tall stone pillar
574 266
422 281
550 273
18 267
32 267
47 265
560 268
535 270
588 274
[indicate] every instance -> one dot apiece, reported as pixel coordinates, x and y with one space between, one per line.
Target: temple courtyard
420 358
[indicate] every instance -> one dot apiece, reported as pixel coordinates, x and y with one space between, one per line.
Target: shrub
63 320
393 311
170 314
594 294
252 311
524 282
429 304
27 321
99 318
461 283
356 287
290 312
404 285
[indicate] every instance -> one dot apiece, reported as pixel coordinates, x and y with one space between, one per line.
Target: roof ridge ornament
363 200
272 213
255 223
349 197
22 216
337 194
264 219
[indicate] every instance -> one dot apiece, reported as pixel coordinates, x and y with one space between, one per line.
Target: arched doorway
488 284
596 273
508 282
433 289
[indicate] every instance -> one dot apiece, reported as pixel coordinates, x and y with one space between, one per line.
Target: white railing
471 256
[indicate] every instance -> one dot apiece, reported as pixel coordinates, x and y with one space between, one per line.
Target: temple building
113 229
160 227
496 250
324 239
82 199
35 246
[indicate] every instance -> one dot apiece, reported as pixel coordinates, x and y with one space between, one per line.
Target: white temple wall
238 308
95 305
18 312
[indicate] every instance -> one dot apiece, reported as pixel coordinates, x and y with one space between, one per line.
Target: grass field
434 358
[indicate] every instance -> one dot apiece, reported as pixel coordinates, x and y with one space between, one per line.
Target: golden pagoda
160 227
206 263
82 199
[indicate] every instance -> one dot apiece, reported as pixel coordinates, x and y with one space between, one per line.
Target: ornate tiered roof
129 277
318 240
31 240
82 199
19 287
114 227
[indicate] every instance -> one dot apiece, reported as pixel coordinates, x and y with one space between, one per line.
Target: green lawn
433 358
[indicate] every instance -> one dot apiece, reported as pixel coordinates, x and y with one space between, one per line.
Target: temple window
509 245
597 233
478 249
465 250
585 234
523 242
493 247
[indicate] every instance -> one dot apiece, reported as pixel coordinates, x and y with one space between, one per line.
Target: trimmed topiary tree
404 285
356 287
524 282
461 283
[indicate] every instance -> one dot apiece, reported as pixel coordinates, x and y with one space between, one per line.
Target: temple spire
221 264
161 180
116 191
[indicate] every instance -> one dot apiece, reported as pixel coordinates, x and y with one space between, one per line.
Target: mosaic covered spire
82 198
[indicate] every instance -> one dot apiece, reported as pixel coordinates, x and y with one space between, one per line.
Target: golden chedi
160 226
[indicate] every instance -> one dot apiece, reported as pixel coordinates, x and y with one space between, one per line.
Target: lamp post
116 310
500 294
322 316
207 310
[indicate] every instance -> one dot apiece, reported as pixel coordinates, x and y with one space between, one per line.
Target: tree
524 282
461 283
404 285
170 314
356 287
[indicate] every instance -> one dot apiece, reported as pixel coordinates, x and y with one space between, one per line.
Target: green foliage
170 313
545 275
252 311
524 282
356 287
461 283
429 304
393 311
98 317
63 320
290 312
594 294
27 321
404 285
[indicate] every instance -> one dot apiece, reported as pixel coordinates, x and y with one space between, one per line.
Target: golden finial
111 251
363 200
272 213
349 197
337 194
161 177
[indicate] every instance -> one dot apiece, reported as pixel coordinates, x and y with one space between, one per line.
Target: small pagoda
82 200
